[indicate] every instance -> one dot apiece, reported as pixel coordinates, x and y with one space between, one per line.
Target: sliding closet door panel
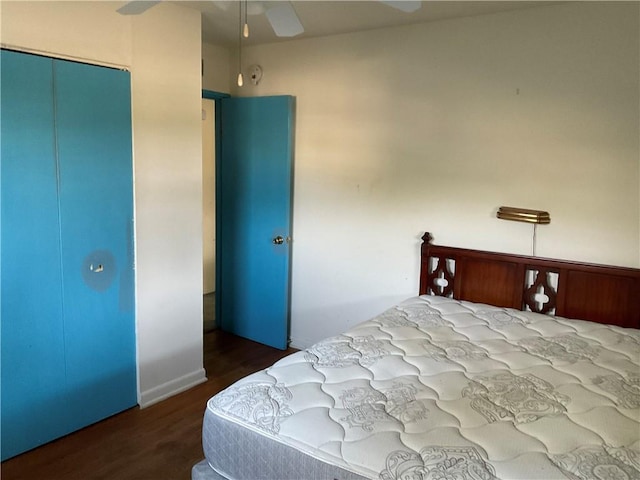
33 376
93 122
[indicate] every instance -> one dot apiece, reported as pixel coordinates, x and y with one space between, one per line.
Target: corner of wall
173 387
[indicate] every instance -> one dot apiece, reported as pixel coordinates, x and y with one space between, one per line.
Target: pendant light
245 30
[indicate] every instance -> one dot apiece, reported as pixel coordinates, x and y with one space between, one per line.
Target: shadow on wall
209 311
345 315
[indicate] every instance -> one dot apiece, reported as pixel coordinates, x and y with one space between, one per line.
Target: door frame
217 128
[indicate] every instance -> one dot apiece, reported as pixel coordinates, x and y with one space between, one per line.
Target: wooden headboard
600 293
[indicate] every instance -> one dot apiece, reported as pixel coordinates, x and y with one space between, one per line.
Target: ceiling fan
281 15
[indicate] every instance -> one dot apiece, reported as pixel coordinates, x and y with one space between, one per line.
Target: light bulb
245 31
240 81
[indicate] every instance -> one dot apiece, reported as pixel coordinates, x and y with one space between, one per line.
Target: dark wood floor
156 443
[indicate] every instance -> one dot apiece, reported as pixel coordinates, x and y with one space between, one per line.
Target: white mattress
435 388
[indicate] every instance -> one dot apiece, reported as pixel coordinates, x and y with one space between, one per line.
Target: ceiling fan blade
255 8
284 21
136 7
408 6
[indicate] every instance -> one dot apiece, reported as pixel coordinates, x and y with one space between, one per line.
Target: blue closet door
33 371
68 332
93 124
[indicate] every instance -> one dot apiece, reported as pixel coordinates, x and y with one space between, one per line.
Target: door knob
279 240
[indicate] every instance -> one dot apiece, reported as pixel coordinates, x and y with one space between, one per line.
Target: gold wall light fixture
535 217
524 215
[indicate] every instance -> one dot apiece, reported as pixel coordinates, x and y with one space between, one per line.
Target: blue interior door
68 333
254 188
33 373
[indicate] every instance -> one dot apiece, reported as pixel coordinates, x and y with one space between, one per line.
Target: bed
486 374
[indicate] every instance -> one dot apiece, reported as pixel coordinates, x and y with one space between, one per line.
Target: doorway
250 215
209 213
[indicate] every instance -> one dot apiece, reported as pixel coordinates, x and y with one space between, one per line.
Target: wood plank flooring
156 443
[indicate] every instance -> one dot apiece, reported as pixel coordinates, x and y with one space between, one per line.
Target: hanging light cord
533 240
240 81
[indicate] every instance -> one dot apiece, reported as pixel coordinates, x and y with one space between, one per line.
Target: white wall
162 50
434 126
216 63
85 31
168 157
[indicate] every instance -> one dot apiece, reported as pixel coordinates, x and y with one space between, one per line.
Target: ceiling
330 17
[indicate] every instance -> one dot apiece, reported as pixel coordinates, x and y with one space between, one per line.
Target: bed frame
600 293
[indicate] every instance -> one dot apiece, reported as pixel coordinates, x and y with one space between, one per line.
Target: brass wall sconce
535 217
524 215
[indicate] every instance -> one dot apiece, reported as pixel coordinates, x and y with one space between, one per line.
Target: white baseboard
300 343
171 388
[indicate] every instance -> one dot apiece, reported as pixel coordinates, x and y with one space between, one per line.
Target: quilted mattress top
435 388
